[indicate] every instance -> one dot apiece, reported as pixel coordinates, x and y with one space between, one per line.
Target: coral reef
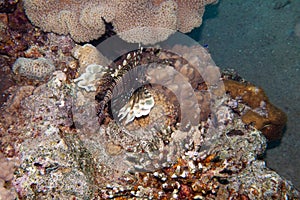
262 114
17 33
46 160
18 38
33 69
66 153
85 21
146 25
57 51
212 171
37 113
54 146
30 110
13 104
82 20
6 79
7 167
88 55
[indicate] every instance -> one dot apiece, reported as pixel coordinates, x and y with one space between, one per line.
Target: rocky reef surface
54 147
203 137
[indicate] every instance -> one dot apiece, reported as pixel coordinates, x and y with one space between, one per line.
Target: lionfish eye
100 96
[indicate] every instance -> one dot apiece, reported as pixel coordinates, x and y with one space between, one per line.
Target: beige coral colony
84 20
155 121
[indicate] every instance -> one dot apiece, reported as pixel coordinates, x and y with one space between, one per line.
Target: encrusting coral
85 20
87 55
263 115
33 68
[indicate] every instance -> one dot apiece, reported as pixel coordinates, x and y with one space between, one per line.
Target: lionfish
123 90
120 88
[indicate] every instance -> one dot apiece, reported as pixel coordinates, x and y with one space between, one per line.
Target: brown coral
81 19
85 21
147 22
263 115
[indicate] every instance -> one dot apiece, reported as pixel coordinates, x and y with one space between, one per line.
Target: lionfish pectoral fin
123 112
130 118
140 104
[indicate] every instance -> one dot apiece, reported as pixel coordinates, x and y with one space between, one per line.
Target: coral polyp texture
85 20
33 68
81 19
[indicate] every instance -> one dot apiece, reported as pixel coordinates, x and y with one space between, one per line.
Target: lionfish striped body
114 83
118 85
